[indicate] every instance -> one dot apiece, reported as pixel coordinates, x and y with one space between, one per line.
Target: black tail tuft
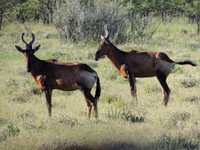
186 62
98 89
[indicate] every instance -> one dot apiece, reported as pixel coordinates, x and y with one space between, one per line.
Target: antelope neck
116 56
37 66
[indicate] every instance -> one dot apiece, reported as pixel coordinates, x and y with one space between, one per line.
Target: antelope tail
186 62
98 89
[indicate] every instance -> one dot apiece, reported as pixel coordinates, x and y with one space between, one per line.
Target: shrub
21 71
192 99
176 118
66 120
114 113
3 135
111 99
12 83
12 130
60 55
189 82
26 115
86 23
2 121
35 90
128 116
111 74
125 114
149 88
32 125
115 100
21 92
21 96
179 142
178 69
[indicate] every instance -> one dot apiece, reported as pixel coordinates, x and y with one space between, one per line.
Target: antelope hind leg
166 90
91 102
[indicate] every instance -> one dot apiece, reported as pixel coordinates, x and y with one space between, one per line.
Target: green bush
192 99
87 22
26 115
128 116
125 114
66 120
36 91
178 142
2 121
178 69
32 125
149 88
176 119
190 82
12 130
114 113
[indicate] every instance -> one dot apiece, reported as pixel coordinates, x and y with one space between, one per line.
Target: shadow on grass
118 146
113 145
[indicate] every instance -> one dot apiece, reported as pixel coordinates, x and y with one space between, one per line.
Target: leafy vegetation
122 123
168 26
83 20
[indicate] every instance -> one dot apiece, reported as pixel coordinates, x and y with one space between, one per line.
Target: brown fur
67 76
133 64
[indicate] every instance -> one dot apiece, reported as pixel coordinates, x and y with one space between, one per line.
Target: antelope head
28 52
104 45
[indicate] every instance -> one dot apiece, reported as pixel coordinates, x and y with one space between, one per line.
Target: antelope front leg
48 94
132 82
133 87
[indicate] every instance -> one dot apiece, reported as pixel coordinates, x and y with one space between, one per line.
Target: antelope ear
19 49
102 37
36 48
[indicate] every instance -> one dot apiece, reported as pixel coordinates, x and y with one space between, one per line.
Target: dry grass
122 124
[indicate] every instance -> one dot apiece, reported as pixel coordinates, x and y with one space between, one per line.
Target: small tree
83 21
28 10
4 6
192 10
46 10
78 21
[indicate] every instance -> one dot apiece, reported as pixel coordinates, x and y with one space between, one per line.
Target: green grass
122 124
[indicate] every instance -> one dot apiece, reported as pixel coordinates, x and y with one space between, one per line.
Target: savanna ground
122 124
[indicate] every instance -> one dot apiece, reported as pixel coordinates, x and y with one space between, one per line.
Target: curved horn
22 37
33 39
106 31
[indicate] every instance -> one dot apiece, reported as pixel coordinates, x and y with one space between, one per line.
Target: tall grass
122 123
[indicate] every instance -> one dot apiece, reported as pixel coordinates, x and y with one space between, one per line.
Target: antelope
139 64
67 76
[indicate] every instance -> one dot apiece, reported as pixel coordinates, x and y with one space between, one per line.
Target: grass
122 124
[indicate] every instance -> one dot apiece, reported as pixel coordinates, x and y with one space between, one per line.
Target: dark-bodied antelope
135 64
67 76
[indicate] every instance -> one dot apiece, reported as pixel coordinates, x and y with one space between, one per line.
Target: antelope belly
66 85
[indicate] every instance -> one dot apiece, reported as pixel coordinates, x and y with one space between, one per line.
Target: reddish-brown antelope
133 64
67 76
